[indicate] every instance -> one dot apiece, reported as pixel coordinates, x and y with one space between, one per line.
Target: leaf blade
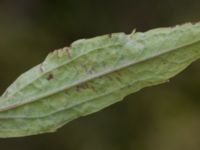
97 77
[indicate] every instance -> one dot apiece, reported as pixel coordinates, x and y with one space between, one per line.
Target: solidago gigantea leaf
92 74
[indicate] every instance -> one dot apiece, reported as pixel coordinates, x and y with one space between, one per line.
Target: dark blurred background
166 117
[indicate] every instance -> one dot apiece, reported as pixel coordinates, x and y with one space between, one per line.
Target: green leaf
92 74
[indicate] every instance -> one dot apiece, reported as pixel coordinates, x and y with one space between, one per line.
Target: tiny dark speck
50 77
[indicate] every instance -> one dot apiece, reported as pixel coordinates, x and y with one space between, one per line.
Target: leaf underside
92 74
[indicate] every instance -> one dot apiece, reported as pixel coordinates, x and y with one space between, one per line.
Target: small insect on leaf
92 74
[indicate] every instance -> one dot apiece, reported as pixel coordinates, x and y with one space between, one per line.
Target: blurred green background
165 117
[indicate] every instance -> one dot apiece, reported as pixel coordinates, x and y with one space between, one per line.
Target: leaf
92 74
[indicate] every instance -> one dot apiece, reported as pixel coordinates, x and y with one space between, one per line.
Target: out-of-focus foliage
147 121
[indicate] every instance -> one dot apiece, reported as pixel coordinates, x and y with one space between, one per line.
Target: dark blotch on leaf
50 77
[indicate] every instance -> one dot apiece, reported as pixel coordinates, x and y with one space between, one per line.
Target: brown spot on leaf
50 77
118 77
67 49
84 86
118 73
93 88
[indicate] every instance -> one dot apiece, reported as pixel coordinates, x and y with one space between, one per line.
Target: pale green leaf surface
92 74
